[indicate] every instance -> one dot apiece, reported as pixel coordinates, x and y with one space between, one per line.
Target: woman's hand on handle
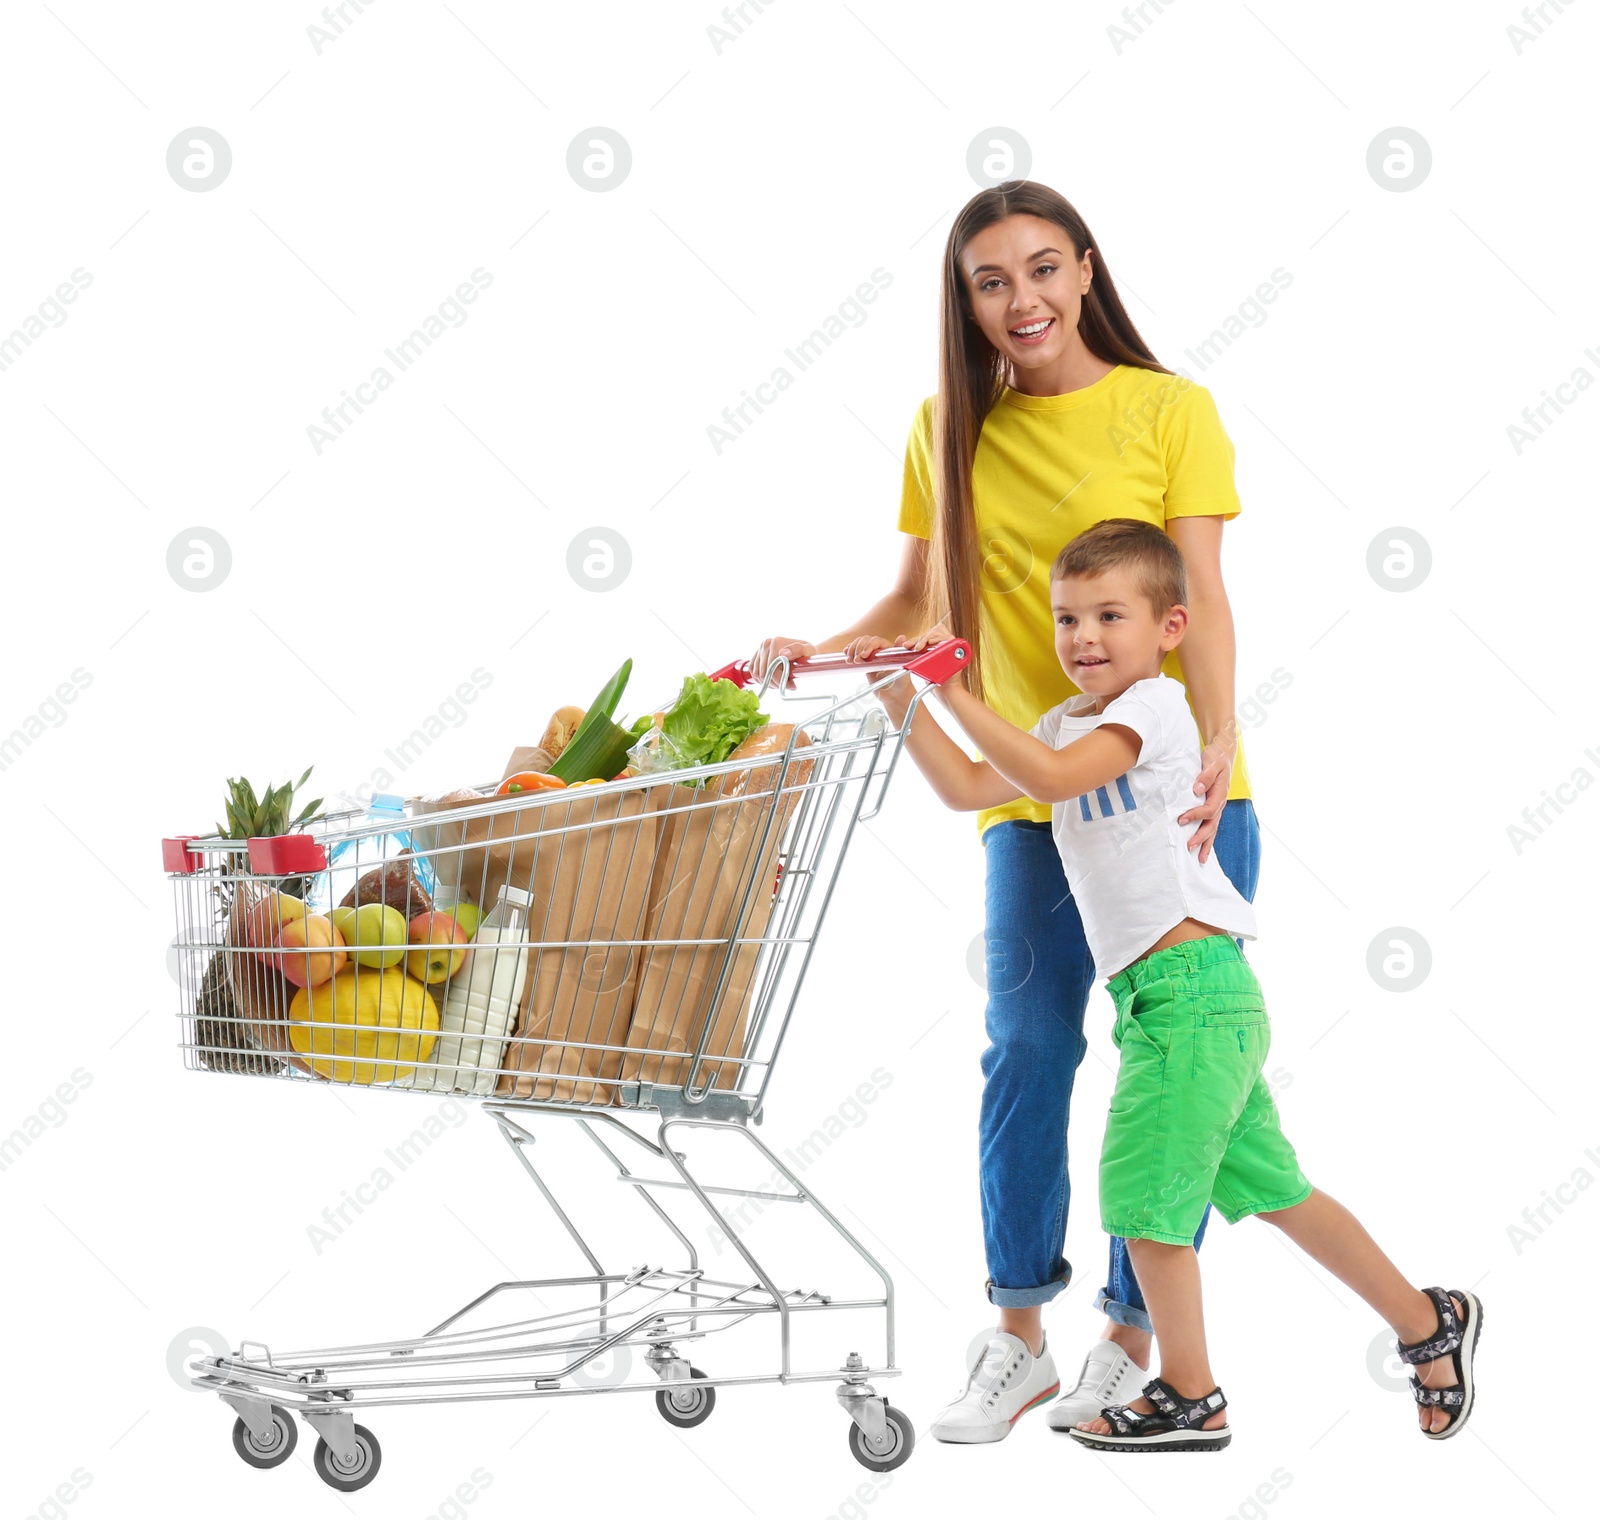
1216 772
769 651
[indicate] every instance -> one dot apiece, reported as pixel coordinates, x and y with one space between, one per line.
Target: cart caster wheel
347 1479
688 1407
893 1450
281 1443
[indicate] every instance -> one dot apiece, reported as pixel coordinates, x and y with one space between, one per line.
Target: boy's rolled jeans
1040 975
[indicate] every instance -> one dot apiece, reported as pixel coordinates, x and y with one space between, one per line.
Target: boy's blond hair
1126 543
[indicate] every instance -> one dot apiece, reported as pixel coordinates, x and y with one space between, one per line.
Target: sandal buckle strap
1156 1392
1447 1336
1180 1411
1123 1420
1443 1398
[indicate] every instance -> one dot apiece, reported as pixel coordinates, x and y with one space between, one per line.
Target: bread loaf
462 796
395 885
767 745
558 735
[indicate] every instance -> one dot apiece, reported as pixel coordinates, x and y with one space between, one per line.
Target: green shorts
1192 1119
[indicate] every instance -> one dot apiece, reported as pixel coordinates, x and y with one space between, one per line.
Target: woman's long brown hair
972 375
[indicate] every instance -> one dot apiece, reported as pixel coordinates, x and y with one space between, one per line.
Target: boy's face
1108 635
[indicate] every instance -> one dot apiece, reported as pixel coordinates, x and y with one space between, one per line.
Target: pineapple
252 819
219 1022
218 1026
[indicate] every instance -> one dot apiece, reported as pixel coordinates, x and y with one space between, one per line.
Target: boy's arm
1030 765
959 781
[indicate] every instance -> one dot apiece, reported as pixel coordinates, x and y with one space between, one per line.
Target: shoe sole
1475 1323
999 1432
1176 1440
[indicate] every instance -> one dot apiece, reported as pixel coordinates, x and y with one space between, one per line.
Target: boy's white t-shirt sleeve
1142 709
1047 728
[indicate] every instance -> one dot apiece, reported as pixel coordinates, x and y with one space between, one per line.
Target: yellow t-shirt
1136 443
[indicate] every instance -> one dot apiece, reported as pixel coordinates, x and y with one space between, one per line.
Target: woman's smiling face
1026 288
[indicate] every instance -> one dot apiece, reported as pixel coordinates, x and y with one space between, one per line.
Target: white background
770 176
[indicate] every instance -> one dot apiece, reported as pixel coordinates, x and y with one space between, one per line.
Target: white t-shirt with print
1126 857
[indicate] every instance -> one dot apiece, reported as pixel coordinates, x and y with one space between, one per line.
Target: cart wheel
359 1473
278 1446
688 1407
896 1446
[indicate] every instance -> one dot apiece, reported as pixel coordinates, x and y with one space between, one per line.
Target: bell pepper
529 781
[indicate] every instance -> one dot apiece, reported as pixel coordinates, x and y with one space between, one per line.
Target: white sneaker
1109 1376
1005 1382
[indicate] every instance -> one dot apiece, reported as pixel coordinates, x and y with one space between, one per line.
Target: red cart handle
278 855
937 663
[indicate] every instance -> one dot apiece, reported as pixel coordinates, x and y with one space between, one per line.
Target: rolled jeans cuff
1027 1298
1123 1314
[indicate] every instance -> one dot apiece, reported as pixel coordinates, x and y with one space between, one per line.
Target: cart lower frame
659 1310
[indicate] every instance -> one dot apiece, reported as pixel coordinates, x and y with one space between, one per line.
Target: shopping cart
653 937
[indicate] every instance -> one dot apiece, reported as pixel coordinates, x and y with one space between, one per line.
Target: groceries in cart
588 920
707 721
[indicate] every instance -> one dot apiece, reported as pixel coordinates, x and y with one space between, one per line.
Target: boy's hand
892 687
868 644
935 635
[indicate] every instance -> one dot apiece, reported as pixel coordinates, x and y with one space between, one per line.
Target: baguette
558 734
767 745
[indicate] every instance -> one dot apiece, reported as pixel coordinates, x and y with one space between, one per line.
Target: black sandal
1457 1338
1175 1427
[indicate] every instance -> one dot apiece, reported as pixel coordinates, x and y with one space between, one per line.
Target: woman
1051 415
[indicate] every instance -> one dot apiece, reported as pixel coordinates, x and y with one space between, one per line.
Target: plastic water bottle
351 858
480 1001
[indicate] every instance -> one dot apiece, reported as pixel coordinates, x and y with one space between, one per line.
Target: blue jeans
1039 975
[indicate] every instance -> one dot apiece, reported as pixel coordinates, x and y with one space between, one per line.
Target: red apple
442 949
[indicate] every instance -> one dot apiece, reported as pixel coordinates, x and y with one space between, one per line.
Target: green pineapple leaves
250 818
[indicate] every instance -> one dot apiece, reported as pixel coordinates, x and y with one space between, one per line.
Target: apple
378 933
442 947
267 919
344 920
322 947
468 915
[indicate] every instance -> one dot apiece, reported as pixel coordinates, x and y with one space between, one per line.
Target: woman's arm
1207 658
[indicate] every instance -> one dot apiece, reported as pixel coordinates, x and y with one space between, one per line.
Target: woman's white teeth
1031 329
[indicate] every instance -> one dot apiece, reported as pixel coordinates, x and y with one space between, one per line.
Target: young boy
1192 1121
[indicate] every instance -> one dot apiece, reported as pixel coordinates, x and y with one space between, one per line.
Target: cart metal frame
655 1312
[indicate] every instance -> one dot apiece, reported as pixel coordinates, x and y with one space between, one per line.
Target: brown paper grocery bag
473 858
590 885
586 860
715 879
